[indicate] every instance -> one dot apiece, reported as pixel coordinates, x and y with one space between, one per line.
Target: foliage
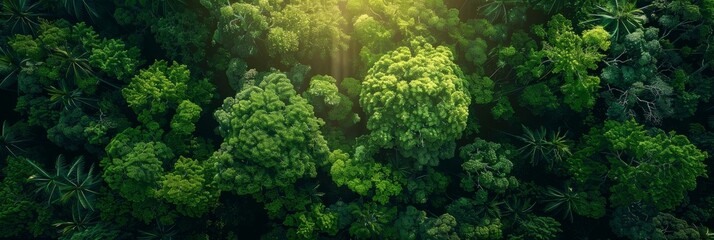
22 216
71 184
259 125
364 177
539 146
650 166
245 21
306 29
487 167
324 94
20 16
618 17
182 36
370 220
565 115
569 201
567 57
399 96
161 87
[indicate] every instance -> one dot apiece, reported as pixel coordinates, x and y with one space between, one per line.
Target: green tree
487 167
364 176
371 220
308 224
323 93
136 173
188 186
240 27
650 166
618 17
183 36
271 138
19 213
567 58
305 29
417 102
156 90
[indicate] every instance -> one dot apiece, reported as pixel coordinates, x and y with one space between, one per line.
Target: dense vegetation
357 119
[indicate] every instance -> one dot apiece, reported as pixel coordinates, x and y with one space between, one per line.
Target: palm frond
618 17
564 202
20 16
67 183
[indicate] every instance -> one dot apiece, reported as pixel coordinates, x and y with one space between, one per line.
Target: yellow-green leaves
417 101
271 138
161 87
364 176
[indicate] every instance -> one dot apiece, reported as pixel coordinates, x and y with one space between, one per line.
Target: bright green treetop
161 87
271 138
416 101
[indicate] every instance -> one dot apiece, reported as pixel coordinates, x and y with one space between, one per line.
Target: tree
183 36
417 102
567 57
426 18
308 224
11 139
650 166
20 16
325 96
487 167
442 227
156 90
371 220
504 10
67 185
376 38
271 138
410 223
114 58
569 200
19 213
136 174
188 187
478 217
187 114
245 21
304 29
618 17
364 176
539 146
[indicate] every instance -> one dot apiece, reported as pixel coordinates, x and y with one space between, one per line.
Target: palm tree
539 145
80 220
76 66
496 10
564 201
551 6
159 232
618 17
20 16
10 66
68 98
67 183
517 208
8 140
81 8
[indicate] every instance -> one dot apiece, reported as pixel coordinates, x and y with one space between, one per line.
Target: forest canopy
357 119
